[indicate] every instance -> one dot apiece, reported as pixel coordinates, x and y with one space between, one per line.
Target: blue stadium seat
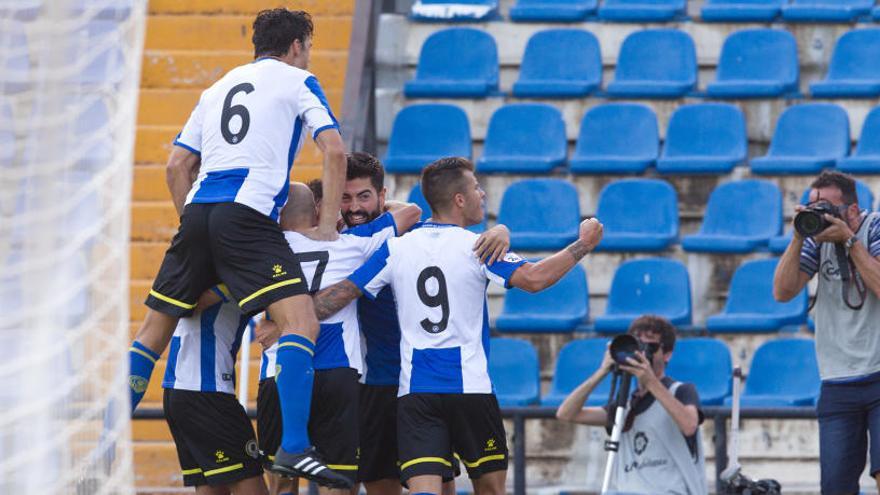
808 138
7 136
552 10
424 133
575 363
514 370
560 63
826 10
750 306
454 10
559 308
741 217
866 159
456 63
657 286
655 63
524 138
757 63
616 138
638 215
875 14
705 138
15 63
783 373
707 364
741 10
416 196
853 72
542 214
642 10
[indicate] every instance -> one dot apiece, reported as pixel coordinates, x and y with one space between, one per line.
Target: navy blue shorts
849 413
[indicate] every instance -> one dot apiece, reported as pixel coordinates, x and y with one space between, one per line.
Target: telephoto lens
811 220
624 346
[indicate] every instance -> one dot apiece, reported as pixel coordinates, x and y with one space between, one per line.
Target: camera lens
623 347
808 223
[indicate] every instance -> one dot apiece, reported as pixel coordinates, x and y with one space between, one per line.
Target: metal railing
519 415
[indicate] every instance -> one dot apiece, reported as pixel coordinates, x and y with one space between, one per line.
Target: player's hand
492 244
266 333
317 234
837 232
640 368
590 233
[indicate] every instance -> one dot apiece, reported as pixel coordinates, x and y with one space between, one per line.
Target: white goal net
69 77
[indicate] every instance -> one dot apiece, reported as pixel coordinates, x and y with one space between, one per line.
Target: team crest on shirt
137 383
512 258
278 271
640 442
251 449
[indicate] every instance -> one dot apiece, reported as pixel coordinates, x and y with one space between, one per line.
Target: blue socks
294 377
140 364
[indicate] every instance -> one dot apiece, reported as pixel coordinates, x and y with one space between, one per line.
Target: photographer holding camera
843 248
660 448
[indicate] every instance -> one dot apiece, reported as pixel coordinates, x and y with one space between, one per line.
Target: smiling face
361 203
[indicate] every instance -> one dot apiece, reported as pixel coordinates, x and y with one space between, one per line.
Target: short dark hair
276 29
656 325
362 165
442 179
317 189
840 180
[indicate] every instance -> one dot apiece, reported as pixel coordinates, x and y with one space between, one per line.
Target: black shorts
268 419
378 433
214 438
229 243
430 427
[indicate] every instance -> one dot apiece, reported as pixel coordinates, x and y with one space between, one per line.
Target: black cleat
307 465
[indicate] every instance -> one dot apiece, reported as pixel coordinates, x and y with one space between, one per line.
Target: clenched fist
590 233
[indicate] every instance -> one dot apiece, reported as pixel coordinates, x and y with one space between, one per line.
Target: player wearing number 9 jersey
446 399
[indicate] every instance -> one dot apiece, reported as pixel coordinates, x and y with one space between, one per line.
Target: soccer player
333 423
214 437
241 140
445 400
363 200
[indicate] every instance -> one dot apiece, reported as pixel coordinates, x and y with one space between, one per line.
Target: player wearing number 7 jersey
446 401
241 141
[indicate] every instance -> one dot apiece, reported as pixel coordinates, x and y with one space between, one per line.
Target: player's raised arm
333 181
405 215
534 277
493 244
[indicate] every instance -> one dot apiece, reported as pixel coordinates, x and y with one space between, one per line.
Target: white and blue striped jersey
204 348
325 263
248 128
440 288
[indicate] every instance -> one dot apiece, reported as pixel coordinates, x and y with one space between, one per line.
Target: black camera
811 220
626 346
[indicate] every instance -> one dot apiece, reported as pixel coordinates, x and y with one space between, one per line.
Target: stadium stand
513 367
655 63
783 373
560 308
757 63
7 137
542 214
704 138
808 138
423 133
741 10
853 72
706 363
16 63
750 306
553 10
866 159
654 228
456 63
826 10
642 10
549 71
616 138
524 138
758 207
454 11
575 362
657 286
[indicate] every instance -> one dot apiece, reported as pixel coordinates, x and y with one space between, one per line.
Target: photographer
660 448
847 316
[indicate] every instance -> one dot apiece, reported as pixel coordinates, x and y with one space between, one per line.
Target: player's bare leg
383 487
338 491
149 343
490 483
448 488
877 479
426 483
250 486
282 486
213 490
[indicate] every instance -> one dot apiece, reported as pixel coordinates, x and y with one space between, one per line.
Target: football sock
140 364
294 376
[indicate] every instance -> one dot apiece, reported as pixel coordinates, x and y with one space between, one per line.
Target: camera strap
850 277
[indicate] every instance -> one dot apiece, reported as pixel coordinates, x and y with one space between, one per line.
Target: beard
354 218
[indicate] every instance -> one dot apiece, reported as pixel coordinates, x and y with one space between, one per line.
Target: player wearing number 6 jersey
241 141
446 401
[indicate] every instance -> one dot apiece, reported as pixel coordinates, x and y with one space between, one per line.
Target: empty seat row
648 10
783 372
623 138
653 63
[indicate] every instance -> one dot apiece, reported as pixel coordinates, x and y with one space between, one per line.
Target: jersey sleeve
374 234
314 109
375 274
190 138
501 271
874 237
809 261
